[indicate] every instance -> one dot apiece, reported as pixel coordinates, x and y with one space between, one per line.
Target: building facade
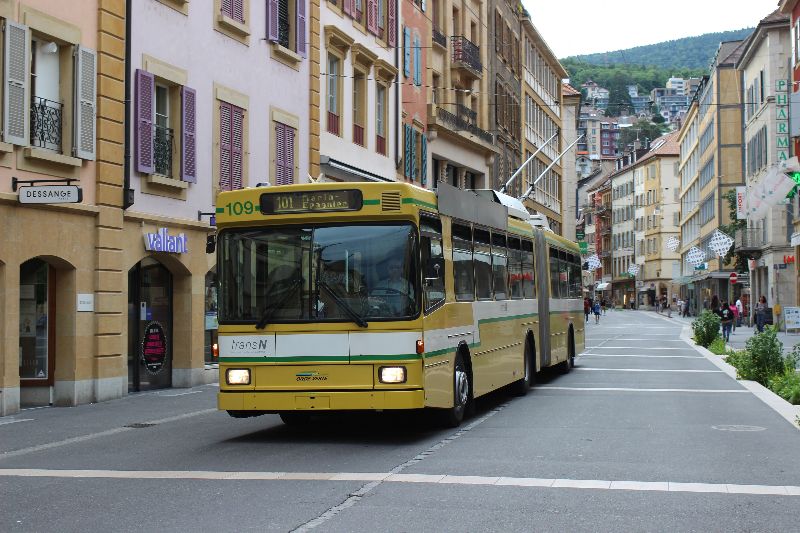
623 210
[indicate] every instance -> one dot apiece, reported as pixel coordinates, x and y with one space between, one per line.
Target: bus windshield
352 273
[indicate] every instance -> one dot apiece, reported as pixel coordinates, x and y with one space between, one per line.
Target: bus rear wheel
295 418
520 387
453 416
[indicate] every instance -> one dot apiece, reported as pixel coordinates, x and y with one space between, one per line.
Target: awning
602 286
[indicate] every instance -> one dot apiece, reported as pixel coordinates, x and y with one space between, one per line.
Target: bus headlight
237 376
392 374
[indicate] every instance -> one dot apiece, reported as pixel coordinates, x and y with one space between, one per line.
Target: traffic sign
733 278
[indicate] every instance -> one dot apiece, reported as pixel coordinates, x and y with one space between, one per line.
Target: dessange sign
162 241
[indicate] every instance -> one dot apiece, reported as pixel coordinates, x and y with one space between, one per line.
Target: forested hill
688 53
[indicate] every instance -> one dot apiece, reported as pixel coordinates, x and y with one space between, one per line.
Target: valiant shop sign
162 241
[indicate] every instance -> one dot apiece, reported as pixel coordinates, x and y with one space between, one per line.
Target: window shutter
280 154
355 10
225 146
188 143
372 16
233 9
392 38
407 52
417 66
423 178
143 142
85 98
347 6
498 31
289 154
301 27
407 151
237 151
16 122
272 20
413 136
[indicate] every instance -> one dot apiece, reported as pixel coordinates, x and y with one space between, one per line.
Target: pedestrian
596 312
726 317
761 313
603 305
735 312
586 308
686 308
714 303
658 305
740 310
668 306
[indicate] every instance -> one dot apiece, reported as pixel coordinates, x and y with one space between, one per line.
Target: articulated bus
379 296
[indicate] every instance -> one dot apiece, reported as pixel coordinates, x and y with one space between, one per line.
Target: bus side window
575 278
462 263
554 292
563 274
515 267
482 262
432 262
500 266
528 273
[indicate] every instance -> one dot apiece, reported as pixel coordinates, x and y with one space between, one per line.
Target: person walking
596 312
740 310
735 312
761 313
686 308
668 305
586 308
603 305
726 318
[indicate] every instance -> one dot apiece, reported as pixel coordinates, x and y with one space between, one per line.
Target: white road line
91 436
628 389
436 479
688 348
647 370
14 421
643 356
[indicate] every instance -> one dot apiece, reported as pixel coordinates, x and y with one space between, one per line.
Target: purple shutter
289 154
237 139
392 23
301 27
143 132
354 10
272 20
224 146
347 6
237 8
280 156
188 145
372 16
226 8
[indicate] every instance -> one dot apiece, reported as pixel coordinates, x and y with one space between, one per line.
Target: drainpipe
397 111
127 192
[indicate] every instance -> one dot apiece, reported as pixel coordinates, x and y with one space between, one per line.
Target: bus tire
520 387
566 365
453 416
244 414
295 418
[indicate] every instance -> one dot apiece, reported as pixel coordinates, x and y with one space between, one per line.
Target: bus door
544 295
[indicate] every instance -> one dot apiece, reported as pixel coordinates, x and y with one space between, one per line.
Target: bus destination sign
280 203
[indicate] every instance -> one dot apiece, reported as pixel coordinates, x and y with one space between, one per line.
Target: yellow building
710 165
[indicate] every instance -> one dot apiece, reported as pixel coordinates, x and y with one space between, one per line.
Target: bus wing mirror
211 244
433 270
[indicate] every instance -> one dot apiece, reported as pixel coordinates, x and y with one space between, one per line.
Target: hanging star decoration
720 243
695 256
593 262
633 269
672 243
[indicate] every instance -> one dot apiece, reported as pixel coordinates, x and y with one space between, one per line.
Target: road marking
688 348
626 389
646 370
91 436
643 356
390 477
14 421
163 395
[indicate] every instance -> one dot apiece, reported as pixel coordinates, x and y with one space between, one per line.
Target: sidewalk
740 336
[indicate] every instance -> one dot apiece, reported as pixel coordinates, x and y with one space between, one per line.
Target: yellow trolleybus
375 296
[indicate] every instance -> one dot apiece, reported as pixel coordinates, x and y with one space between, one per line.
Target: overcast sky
573 27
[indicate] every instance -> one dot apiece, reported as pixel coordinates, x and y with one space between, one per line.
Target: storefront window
210 321
33 330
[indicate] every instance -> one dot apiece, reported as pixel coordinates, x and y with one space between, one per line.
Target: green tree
644 130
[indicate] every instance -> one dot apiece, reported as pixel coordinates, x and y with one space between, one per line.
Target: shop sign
782 119
154 348
162 241
85 303
791 317
795 240
50 194
741 203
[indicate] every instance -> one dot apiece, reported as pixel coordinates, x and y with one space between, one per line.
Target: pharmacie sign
50 194
782 119
162 241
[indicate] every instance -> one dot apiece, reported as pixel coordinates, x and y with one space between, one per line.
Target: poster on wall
27 318
154 348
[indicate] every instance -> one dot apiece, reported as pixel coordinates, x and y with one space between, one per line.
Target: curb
788 411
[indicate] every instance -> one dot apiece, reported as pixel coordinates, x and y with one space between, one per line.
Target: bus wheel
295 418
520 387
567 365
461 388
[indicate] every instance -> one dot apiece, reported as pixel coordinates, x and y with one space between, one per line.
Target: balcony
358 134
462 119
439 37
162 151
46 124
605 253
749 239
466 56
605 231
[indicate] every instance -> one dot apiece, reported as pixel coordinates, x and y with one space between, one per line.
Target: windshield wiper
358 319
270 310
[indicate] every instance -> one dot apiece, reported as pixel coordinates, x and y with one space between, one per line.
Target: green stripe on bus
220 210
372 202
419 202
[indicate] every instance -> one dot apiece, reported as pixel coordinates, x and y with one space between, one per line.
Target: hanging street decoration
720 243
772 188
593 262
633 269
672 243
695 256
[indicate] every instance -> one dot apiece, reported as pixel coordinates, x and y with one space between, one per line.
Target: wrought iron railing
333 123
283 32
162 150
455 122
358 134
466 52
46 123
465 113
749 239
439 37
380 144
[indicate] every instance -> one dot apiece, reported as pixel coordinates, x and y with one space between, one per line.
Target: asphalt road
645 434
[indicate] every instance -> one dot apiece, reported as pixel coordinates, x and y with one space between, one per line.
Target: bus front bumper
320 401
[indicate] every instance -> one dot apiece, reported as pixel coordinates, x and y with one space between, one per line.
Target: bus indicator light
420 346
